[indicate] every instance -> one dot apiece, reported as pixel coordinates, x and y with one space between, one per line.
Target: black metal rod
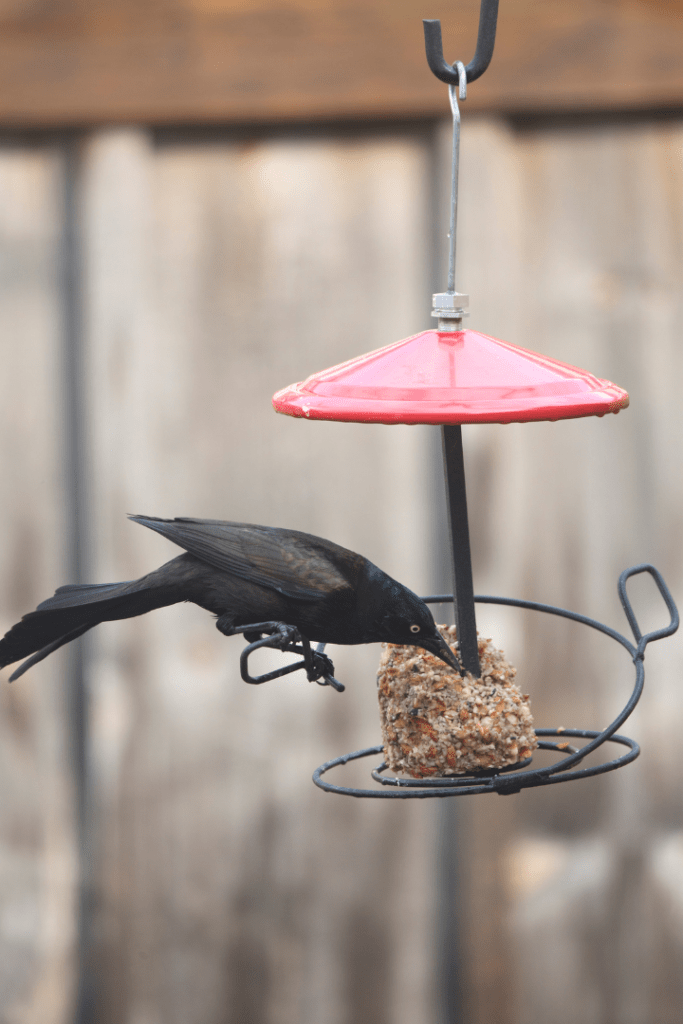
486 38
463 590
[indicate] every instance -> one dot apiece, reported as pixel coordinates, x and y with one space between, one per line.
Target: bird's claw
282 636
270 634
321 671
285 636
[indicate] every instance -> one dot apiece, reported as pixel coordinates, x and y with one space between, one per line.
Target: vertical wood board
37 847
232 889
570 246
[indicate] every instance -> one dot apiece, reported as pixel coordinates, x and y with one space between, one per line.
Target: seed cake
436 722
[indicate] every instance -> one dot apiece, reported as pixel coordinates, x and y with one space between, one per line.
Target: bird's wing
295 564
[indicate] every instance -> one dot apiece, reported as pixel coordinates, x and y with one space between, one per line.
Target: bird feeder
449 376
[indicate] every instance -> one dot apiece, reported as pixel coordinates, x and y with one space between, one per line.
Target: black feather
295 564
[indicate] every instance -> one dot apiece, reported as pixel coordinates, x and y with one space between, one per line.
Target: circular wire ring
407 789
506 782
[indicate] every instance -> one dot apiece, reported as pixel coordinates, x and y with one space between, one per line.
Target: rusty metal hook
486 38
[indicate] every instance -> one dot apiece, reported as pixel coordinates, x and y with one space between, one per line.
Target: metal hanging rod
450 307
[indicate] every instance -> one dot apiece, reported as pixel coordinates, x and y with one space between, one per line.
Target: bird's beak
438 646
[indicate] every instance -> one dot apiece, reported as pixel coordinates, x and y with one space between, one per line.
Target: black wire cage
513 778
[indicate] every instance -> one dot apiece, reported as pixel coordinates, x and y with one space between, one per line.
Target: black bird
255 579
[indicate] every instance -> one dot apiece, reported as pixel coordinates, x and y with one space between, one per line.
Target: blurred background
202 201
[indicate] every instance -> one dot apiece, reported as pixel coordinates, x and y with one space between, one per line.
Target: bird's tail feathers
54 646
74 595
76 608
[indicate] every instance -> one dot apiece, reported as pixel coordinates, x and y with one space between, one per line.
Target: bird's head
409 621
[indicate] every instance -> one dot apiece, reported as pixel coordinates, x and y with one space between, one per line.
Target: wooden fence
212 268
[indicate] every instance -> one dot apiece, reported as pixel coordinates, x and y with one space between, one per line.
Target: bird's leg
282 635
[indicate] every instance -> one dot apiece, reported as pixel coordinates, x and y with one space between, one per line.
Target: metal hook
486 38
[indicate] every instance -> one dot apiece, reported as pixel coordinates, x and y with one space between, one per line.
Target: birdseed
436 722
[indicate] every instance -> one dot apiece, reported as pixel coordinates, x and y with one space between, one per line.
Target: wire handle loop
656 634
486 38
318 666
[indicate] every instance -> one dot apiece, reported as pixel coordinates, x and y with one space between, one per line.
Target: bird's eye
414 629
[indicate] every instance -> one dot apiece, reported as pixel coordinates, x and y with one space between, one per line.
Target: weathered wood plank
37 848
570 245
232 889
70 62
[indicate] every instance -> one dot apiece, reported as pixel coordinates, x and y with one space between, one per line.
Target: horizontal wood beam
77 62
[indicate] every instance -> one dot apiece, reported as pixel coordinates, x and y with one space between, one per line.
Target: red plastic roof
456 377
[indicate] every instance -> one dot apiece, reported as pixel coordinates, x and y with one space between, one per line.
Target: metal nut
450 305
